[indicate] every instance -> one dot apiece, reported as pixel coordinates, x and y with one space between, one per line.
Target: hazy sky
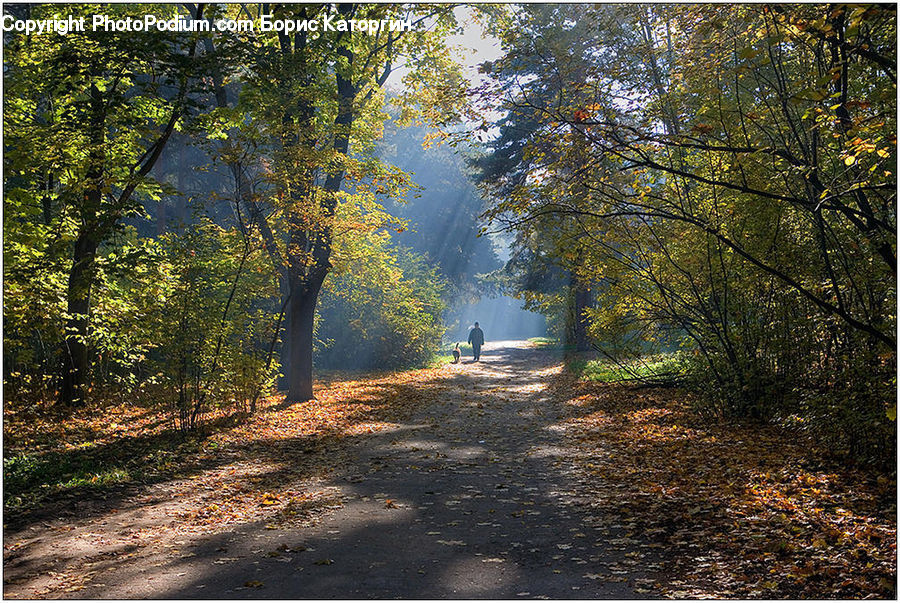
474 48
477 48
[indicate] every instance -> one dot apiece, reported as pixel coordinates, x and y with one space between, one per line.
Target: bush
380 310
214 323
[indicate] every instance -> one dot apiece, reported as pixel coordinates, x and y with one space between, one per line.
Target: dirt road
472 497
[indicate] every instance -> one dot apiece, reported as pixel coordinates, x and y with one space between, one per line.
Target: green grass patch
30 477
445 354
550 343
657 368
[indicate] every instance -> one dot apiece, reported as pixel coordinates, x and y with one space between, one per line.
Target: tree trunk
96 225
75 354
285 356
299 328
81 277
306 281
582 303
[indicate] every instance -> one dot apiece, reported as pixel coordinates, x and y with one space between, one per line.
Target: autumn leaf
702 490
269 499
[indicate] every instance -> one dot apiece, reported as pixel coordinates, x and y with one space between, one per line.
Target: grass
664 368
49 454
30 476
656 369
550 343
27 477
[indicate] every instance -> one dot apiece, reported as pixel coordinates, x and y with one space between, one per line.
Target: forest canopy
176 200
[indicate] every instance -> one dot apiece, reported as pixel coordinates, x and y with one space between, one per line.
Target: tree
724 176
311 97
523 163
88 115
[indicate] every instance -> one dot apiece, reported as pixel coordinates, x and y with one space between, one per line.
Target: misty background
444 225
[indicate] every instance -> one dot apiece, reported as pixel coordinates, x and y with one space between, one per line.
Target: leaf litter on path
726 510
740 510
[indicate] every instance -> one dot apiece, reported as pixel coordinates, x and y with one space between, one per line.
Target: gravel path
473 497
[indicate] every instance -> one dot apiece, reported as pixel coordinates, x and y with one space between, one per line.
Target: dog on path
456 354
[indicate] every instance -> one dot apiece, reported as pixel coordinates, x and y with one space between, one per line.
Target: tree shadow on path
470 497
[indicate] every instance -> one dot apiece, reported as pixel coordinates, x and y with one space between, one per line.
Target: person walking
476 338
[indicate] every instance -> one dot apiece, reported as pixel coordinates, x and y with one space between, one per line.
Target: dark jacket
476 336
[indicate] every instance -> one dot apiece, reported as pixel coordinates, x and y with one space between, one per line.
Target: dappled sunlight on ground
25 429
495 479
480 576
269 467
274 474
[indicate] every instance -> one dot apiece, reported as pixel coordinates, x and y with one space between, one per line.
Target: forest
256 236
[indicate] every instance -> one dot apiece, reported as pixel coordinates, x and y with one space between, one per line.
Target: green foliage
662 368
214 322
547 343
716 180
86 117
721 179
556 307
30 477
311 110
381 308
33 309
126 293
25 475
96 307
160 329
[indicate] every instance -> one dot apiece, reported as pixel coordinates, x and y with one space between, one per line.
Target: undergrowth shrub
380 310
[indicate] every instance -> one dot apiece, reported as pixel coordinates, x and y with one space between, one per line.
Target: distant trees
722 175
444 214
380 308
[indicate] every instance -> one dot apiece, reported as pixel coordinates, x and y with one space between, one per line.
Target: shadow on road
469 496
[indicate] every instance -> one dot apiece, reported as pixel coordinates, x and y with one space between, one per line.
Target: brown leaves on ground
268 467
36 429
738 511
342 406
733 511
264 466
297 443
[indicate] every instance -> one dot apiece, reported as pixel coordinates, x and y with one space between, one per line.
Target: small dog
456 354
